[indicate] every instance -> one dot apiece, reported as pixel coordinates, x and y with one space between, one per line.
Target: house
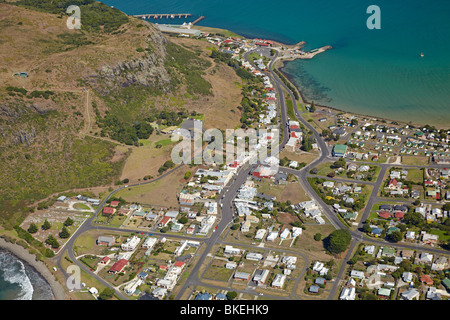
429 238
204 296
410 235
393 184
245 227
118 267
369 249
220 296
272 236
388 252
384 214
260 234
407 254
328 184
254 256
384 292
114 203
432 294
426 279
278 281
108 211
106 241
285 234
131 244
319 281
410 294
231 250
242 276
164 221
399 215
339 150
231 265
357 274
441 263
401 208
407 276
376 231
172 214
105 260
424 258
348 294
446 283
142 275
260 276
264 172
314 289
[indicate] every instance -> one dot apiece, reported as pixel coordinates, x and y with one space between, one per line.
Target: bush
338 241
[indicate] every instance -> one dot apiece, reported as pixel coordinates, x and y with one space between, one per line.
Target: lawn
162 192
415 160
415 175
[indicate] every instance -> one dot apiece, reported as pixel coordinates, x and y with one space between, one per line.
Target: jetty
163 15
198 20
297 53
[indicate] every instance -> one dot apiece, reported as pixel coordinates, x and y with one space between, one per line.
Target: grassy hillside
88 93
46 145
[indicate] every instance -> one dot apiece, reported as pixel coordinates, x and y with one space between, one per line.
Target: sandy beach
23 254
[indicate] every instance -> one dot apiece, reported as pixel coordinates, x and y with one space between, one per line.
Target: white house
131 244
278 281
348 294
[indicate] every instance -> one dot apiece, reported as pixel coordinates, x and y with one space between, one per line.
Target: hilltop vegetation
95 15
88 92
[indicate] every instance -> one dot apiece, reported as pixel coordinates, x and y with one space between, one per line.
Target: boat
421 55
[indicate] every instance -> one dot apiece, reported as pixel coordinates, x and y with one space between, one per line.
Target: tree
235 226
317 236
339 163
338 241
46 225
183 220
231 295
312 107
33 228
68 222
64 234
106 294
396 236
413 218
51 240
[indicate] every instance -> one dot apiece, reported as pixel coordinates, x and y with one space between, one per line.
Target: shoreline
23 254
304 100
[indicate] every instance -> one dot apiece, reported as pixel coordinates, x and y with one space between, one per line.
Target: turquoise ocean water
374 72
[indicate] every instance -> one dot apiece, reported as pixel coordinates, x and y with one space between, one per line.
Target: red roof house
105 260
179 264
118 266
384 214
426 279
108 211
399 215
114 203
164 221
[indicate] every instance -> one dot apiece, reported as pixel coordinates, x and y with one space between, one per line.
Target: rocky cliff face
146 70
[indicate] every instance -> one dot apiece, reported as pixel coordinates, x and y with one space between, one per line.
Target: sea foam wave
14 273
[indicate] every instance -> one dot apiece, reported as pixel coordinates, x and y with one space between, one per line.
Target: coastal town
351 208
